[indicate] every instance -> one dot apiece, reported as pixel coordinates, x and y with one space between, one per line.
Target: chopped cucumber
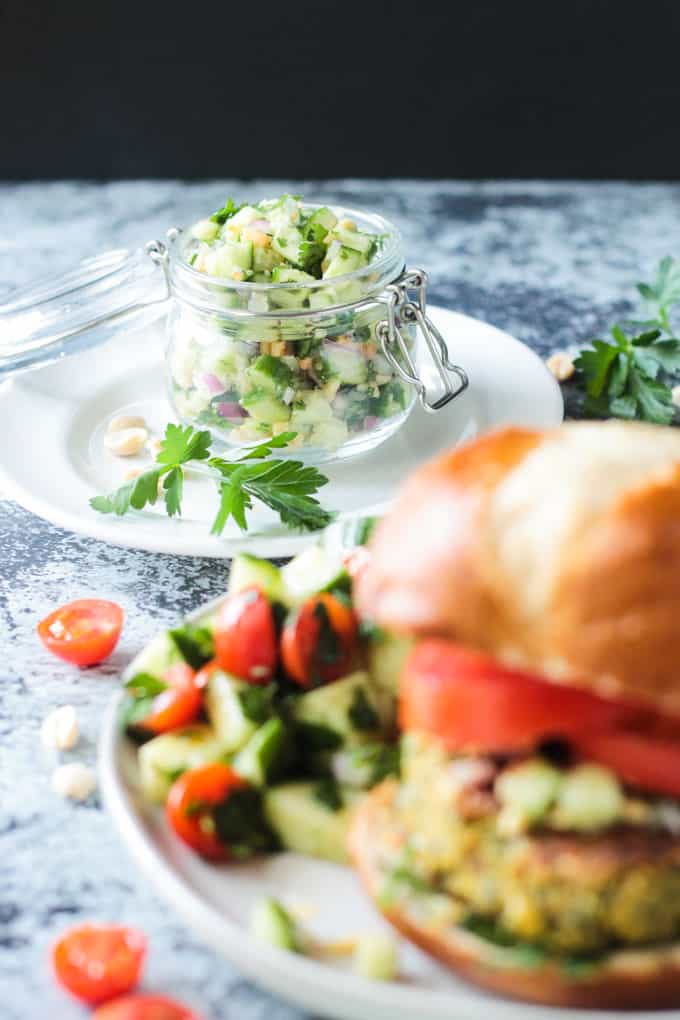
229 257
313 570
387 654
329 435
375 957
205 230
261 758
157 657
351 707
313 408
324 217
225 710
264 407
164 758
270 922
346 261
264 261
353 239
249 571
272 375
283 275
287 243
347 363
305 825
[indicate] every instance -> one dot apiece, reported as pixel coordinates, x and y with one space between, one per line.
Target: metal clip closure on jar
402 310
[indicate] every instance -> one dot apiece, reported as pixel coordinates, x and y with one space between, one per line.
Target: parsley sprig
623 379
286 486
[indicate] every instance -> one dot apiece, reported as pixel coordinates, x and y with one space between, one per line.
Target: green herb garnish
240 824
316 737
286 487
327 792
228 210
257 702
196 645
361 712
622 379
141 690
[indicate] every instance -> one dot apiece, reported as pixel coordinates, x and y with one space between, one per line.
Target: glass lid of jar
64 314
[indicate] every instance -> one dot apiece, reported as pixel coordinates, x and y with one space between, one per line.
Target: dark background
299 89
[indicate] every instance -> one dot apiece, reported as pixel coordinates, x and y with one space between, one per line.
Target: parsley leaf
196 645
287 487
621 378
228 210
625 379
144 685
361 712
327 792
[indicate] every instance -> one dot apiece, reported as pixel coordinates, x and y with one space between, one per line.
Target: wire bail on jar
403 311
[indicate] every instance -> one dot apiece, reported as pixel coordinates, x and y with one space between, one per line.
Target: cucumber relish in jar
288 344
282 316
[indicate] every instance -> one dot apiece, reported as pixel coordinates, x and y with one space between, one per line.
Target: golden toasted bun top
557 551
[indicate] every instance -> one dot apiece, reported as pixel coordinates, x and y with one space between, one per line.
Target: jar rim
390 256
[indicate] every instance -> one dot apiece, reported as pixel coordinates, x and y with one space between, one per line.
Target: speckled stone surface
551 263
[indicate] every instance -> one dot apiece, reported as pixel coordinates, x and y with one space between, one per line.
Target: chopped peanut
278 348
126 421
127 442
561 365
305 364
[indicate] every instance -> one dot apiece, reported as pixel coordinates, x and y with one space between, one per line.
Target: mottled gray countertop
552 263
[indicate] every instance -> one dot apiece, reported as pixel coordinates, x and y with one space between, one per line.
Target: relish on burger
533 840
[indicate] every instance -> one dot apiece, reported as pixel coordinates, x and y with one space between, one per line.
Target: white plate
216 901
52 458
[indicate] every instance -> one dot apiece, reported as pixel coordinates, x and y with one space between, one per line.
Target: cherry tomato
245 637
205 672
470 702
178 705
643 760
84 632
97 962
190 802
144 1007
319 641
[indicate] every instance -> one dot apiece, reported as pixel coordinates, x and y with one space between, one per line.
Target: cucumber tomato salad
296 356
259 726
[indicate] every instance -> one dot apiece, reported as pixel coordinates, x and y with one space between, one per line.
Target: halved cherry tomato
178 705
471 702
190 802
245 637
643 760
144 1007
83 632
319 641
205 672
97 962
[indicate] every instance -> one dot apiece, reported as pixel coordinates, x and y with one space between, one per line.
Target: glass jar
333 360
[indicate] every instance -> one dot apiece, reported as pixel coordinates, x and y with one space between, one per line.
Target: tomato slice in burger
190 805
472 703
144 1007
319 641
83 632
97 962
642 760
245 637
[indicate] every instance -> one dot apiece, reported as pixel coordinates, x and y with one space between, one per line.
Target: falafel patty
572 892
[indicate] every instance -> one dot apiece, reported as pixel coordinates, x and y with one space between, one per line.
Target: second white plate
52 458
